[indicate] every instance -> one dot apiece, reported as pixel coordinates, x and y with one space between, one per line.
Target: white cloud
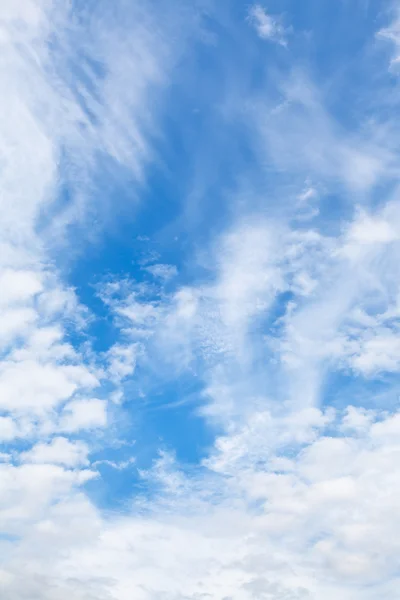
48 139
300 134
28 492
214 319
378 352
59 451
368 230
142 313
267 26
162 271
332 282
119 466
58 118
19 286
43 117
15 322
248 277
31 386
307 203
391 34
122 361
320 523
82 414
8 429
358 419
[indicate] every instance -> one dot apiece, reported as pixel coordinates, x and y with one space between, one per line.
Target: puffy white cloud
82 413
122 360
59 451
31 386
377 352
28 491
8 429
319 522
19 286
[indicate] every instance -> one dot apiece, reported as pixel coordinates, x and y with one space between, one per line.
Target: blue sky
200 300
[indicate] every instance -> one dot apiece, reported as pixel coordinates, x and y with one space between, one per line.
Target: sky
199 300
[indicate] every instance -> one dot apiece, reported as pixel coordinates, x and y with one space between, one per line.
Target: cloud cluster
286 509
296 497
76 84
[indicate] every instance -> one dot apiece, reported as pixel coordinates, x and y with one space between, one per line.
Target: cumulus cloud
318 521
59 451
83 413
